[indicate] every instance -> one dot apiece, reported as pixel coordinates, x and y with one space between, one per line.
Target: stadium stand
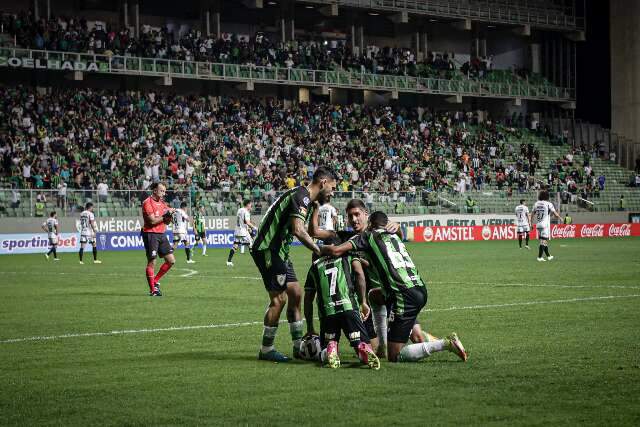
62 34
211 149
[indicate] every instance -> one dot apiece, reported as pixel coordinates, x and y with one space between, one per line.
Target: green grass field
549 343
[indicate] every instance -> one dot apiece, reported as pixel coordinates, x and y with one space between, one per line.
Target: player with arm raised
50 226
88 230
180 231
542 211
284 220
340 286
402 289
523 222
244 228
156 215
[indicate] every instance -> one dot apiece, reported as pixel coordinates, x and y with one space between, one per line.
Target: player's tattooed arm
335 251
314 230
298 230
361 288
44 227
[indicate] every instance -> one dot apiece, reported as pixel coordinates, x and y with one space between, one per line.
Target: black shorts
156 244
275 272
403 314
348 322
202 236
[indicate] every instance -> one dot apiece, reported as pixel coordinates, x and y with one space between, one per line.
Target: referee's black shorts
156 244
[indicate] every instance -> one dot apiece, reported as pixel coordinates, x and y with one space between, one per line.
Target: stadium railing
118 65
126 203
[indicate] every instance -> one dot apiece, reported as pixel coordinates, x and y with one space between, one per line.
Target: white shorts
53 240
242 240
544 233
88 238
180 237
523 229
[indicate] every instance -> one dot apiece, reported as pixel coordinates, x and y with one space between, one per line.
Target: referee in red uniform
156 242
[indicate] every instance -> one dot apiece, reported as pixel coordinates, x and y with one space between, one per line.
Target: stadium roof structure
550 15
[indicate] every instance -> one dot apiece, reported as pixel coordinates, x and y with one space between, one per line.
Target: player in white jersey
244 230
180 222
542 211
50 226
327 217
88 229
523 222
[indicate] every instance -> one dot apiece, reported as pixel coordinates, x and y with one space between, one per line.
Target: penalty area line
256 323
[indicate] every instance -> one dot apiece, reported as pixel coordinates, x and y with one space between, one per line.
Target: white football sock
417 352
241 249
380 323
204 249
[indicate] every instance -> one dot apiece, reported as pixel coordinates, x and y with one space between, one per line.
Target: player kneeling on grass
403 290
333 280
180 221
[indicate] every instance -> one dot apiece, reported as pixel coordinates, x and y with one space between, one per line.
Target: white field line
234 325
189 272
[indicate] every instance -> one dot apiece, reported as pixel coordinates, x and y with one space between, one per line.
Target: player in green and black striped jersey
402 289
340 287
199 229
284 220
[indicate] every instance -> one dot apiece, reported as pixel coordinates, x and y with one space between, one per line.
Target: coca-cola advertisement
509 232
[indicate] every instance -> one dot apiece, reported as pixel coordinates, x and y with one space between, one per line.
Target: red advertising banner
508 232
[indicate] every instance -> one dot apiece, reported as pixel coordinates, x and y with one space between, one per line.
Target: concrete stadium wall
625 68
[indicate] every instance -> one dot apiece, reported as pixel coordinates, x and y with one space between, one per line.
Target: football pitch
549 343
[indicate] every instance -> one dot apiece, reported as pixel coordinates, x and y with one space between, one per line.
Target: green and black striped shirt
274 231
390 258
332 280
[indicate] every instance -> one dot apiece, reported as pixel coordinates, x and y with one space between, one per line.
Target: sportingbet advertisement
110 241
509 232
36 243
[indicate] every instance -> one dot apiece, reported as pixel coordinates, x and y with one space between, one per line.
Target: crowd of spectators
76 35
127 140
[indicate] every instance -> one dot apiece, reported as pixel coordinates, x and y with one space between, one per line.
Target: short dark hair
323 173
378 219
356 204
183 204
543 195
246 202
155 185
88 205
52 214
522 201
